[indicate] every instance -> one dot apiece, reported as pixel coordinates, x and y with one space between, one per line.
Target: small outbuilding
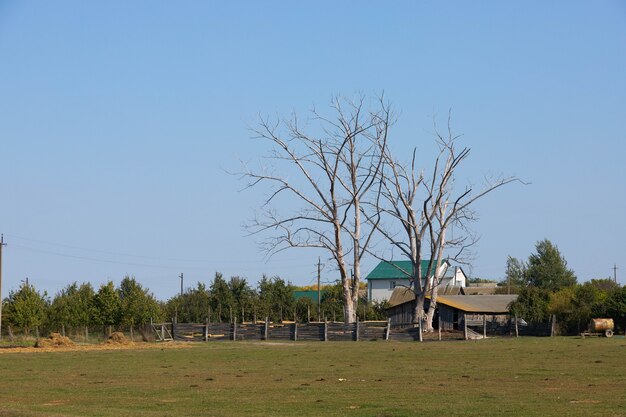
452 308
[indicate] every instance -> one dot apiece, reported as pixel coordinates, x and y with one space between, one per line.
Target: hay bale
54 340
117 338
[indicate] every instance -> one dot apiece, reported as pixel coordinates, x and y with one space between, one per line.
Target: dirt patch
118 338
102 346
54 340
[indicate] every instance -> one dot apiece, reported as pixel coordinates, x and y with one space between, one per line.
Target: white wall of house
381 289
455 278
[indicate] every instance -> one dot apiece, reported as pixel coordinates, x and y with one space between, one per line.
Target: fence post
266 329
206 330
388 329
295 331
421 337
464 326
234 324
86 333
325 329
356 335
516 328
484 326
173 328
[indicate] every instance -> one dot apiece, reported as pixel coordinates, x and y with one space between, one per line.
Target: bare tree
334 178
427 207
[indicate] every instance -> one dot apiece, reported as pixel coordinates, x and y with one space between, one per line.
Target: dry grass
39 347
54 340
522 377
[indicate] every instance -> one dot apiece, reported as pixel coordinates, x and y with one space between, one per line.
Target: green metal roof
397 270
312 294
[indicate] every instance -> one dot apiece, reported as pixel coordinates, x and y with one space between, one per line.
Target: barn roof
478 303
401 295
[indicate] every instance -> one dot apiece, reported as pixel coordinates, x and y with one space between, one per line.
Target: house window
392 285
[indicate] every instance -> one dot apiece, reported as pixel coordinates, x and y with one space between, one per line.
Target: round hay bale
54 340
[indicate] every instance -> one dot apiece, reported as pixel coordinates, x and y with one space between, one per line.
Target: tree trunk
418 313
428 326
349 312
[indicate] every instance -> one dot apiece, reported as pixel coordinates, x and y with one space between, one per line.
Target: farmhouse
388 275
452 308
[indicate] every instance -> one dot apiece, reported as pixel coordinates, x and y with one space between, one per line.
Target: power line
87 258
181 260
147 265
62 245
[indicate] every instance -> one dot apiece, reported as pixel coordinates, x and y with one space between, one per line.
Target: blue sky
119 122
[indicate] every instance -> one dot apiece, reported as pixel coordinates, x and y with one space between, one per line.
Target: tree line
546 287
130 305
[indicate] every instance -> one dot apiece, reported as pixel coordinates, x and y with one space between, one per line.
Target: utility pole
2 244
319 292
181 283
615 268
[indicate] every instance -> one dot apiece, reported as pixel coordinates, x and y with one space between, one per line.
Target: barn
452 308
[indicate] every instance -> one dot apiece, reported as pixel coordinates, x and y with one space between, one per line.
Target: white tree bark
425 208
338 170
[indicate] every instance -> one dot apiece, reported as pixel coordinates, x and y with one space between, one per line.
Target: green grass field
514 377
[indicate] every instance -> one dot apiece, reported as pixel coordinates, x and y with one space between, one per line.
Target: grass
496 377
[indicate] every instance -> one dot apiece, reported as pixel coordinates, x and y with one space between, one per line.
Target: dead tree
426 207
334 179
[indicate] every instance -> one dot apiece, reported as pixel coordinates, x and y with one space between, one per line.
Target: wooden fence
311 331
476 326
481 325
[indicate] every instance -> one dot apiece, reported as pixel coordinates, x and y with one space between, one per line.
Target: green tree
332 302
563 306
305 309
107 305
138 305
616 307
72 306
514 278
547 268
575 306
221 300
532 304
26 308
243 298
191 307
275 298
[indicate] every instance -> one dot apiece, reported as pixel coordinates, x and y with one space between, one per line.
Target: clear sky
119 121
